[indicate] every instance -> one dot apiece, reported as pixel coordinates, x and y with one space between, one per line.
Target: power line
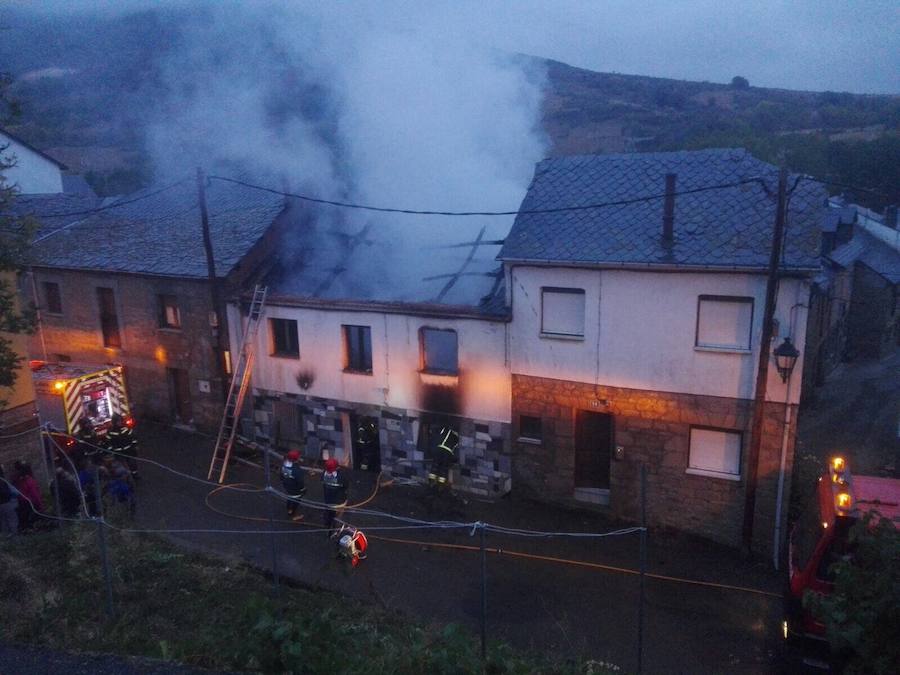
114 205
417 212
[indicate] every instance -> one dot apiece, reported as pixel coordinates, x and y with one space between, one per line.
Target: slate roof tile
729 227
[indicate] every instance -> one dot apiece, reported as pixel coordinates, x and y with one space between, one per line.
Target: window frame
544 333
423 352
45 286
528 438
161 299
737 299
711 473
364 334
273 339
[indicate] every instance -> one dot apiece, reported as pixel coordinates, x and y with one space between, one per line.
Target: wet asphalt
545 606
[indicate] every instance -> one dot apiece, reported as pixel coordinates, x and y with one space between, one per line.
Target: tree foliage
738 82
862 614
15 233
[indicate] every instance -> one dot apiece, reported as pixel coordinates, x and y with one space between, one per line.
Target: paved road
534 604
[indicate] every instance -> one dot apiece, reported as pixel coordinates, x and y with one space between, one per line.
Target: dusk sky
799 44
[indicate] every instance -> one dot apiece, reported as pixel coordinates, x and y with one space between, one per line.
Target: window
52 298
357 349
562 312
284 339
529 428
169 314
724 322
715 452
439 351
109 320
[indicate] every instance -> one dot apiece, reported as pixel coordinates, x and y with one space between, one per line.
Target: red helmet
293 455
331 464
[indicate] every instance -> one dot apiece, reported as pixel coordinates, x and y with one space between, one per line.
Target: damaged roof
154 231
727 227
878 256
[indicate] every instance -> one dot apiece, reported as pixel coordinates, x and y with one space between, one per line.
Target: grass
205 612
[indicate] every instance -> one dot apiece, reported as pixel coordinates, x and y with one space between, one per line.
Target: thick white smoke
357 103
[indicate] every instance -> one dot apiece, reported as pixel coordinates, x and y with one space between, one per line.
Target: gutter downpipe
779 499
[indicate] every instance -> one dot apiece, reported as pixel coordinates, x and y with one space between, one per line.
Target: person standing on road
88 440
30 501
120 439
334 488
9 518
293 482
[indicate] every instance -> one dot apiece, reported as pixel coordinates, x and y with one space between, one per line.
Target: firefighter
88 440
443 455
292 480
120 439
367 439
334 488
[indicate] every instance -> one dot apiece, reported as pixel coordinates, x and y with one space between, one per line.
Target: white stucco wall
484 381
32 173
640 331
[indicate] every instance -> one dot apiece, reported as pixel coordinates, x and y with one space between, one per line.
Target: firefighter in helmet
88 440
120 439
334 488
367 441
443 455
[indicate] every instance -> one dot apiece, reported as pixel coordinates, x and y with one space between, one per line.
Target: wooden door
593 449
180 395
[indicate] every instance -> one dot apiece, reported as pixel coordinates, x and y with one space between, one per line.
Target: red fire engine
819 539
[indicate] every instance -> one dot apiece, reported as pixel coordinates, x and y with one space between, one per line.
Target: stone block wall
654 430
483 464
147 349
20 439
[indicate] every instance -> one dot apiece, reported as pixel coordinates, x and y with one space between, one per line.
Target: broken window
439 351
724 322
285 340
357 349
169 314
52 297
715 452
562 312
530 428
109 320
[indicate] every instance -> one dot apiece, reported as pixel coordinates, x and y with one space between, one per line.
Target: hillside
86 89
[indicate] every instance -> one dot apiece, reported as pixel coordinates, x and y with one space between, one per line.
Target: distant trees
738 82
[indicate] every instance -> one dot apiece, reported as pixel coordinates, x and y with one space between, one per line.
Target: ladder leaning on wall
240 382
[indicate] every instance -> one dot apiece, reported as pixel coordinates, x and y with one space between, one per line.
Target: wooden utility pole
220 345
762 371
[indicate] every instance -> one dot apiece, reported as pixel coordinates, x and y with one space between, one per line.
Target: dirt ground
534 604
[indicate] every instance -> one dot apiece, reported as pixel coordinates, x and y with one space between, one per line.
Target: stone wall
20 439
654 429
306 422
874 317
147 349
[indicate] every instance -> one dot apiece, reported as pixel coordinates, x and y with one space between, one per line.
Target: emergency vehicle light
129 421
838 464
843 501
59 385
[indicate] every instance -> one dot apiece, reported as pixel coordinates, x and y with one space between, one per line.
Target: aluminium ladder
240 382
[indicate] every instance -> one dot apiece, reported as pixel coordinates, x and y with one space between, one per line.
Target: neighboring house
129 285
33 171
635 336
344 357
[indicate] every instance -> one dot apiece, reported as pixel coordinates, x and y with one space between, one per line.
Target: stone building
128 284
635 336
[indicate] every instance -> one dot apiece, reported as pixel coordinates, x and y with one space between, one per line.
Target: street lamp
786 356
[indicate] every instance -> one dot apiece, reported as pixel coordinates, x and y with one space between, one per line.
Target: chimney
668 235
890 216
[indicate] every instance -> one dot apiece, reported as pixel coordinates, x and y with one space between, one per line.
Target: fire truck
820 538
69 393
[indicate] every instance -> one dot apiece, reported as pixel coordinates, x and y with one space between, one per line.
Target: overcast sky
840 45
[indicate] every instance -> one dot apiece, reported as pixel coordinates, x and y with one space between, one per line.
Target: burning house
608 338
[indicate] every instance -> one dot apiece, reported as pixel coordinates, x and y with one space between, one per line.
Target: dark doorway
593 449
180 395
366 443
